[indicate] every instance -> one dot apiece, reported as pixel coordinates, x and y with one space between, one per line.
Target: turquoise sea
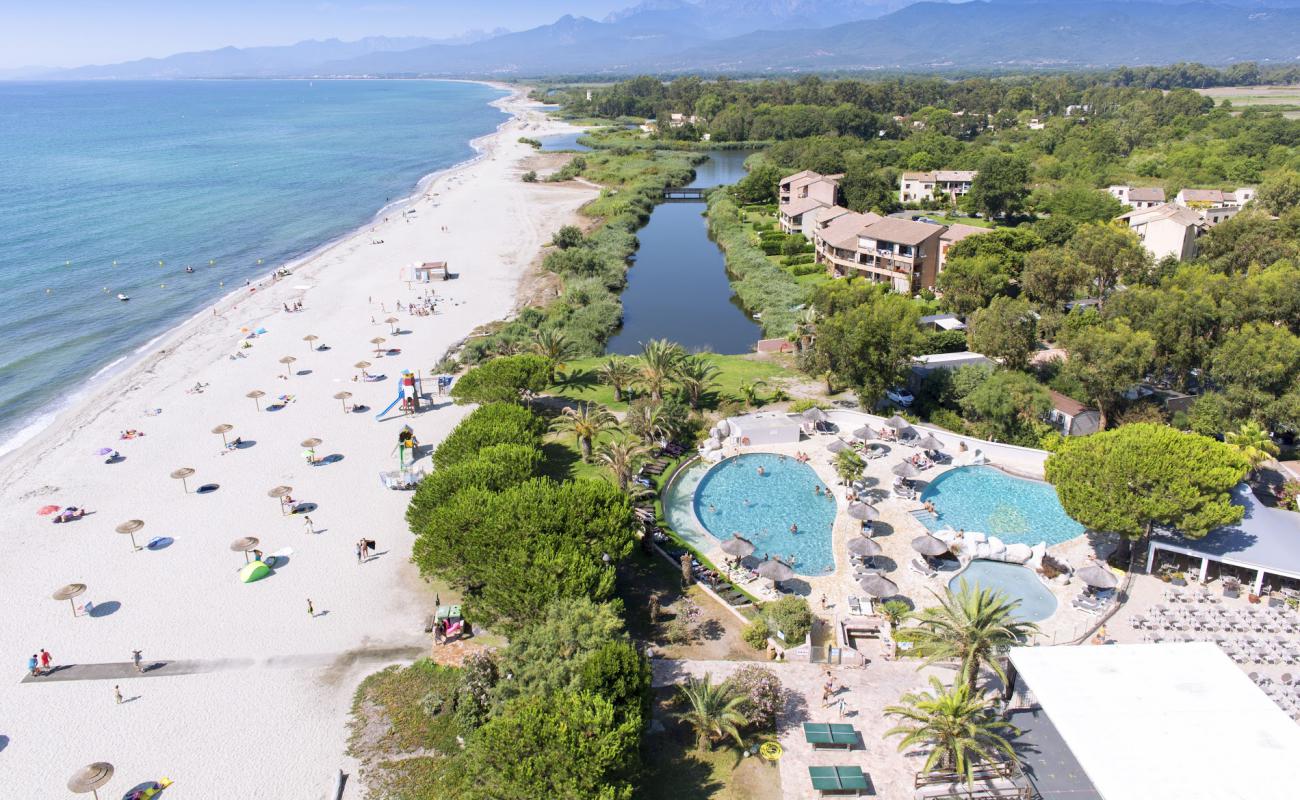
111 187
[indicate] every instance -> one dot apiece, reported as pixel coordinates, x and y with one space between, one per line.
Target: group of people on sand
297 306
802 457
131 434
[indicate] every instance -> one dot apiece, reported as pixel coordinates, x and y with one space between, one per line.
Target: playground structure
405 476
410 391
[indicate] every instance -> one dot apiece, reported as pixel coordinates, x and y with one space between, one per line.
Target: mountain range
783 36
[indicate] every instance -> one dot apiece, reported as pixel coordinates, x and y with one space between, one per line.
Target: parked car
898 394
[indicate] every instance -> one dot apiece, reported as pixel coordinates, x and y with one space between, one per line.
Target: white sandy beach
264 713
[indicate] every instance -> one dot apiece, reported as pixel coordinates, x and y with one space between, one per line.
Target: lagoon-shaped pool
990 501
1037 602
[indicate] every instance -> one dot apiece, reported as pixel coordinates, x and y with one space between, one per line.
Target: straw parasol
862 511
393 322
862 546
929 545
904 469
878 586
361 364
814 415
130 527
245 545
286 361
223 429
344 397
837 446
929 442
738 546
1098 577
309 338
775 569
311 443
181 474
897 423
256 395
864 433
378 340
90 778
279 493
68 592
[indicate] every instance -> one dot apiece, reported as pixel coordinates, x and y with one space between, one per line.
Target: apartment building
901 252
1166 230
920 187
805 192
1138 196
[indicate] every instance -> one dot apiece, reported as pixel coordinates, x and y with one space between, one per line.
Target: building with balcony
803 192
1166 230
1138 196
920 187
901 252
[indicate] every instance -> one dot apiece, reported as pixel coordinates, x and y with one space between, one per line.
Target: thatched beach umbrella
864 433
361 364
393 322
223 429
256 396
311 443
68 592
130 527
862 511
344 397
897 423
776 570
904 469
878 586
181 475
286 361
837 446
1097 577
929 442
245 545
929 545
738 546
309 338
862 546
377 341
91 778
814 415
279 493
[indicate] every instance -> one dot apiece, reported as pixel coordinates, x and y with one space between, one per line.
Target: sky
71 33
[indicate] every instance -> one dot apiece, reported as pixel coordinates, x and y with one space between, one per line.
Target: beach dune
250 694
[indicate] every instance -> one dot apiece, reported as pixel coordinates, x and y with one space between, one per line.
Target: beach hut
89 779
428 270
183 475
256 396
130 527
69 592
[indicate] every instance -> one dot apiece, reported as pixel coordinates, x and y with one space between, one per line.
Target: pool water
1037 602
733 498
990 501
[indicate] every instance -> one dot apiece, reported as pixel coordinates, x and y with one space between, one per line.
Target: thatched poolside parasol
90 778
279 493
361 364
309 338
862 546
929 442
738 546
814 415
378 340
862 511
286 361
344 397
776 570
878 586
865 433
245 545
130 527
393 322
311 443
904 469
897 423
1098 577
181 475
837 446
929 545
256 395
223 429
68 592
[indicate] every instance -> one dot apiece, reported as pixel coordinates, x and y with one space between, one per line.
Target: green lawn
580 381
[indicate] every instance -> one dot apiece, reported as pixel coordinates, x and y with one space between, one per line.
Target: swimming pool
990 501
1037 602
732 497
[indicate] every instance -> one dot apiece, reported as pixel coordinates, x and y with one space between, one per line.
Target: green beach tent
253 570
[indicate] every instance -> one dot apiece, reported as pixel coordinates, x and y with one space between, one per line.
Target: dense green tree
1136 477
1009 407
1007 330
509 379
548 655
791 616
1081 203
493 468
1251 238
848 466
1110 255
1106 360
1001 186
487 425
1255 366
620 673
1280 193
961 729
969 284
872 345
759 185
1052 277
1010 246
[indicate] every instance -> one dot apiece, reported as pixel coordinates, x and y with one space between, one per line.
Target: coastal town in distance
673 400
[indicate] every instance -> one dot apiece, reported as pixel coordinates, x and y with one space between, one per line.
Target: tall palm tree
620 373
647 420
1253 442
554 347
961 729
623 456
971 626
805 328
697 376
714 712
586 421
749 392
659 360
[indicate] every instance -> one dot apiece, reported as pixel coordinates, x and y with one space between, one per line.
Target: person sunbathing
70 513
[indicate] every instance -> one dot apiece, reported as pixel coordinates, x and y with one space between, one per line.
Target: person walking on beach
137 661
311 611
117 694
306 520
46 658
361 549
34 666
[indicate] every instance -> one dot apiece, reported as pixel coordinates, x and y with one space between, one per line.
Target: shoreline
27 430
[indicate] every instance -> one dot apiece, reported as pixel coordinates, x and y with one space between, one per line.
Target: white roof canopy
1149 721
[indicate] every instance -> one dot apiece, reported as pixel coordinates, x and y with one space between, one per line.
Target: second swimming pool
990 501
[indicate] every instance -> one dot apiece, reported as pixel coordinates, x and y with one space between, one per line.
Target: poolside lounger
921 568
854 604
830 734
845 780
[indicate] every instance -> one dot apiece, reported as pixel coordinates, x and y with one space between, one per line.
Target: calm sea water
100 182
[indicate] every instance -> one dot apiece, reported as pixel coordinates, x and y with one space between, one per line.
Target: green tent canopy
253 570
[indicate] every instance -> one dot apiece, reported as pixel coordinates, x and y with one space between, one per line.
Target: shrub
568 236
770 248
763 287
503 380
530 176
533 143
948 419
621 675
762 692
803 404
676 631
756 634
494 468
945 342
807 269
487 425
798 258
791 616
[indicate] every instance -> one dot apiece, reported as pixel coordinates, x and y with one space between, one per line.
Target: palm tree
971 627
623 456
848 466
749 392
659 360
714 710
619 373
586 421
962 730
805 328
1253 442
554 347
696 376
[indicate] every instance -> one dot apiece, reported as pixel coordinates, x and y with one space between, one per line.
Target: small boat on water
189 269
122 297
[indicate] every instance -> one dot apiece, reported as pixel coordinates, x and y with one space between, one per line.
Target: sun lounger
854 604
921 568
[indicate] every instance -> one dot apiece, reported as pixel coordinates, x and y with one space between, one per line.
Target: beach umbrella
279 493
837 446
309 338
91 778
378 340
311 443
344 397
1097 577
775 569
68 592
393 322
245 545
897 423
256 395
862 511
904 469
45 511
130 527
814 415
738 546
361 364
864 433
862 546
286 361
929 442
928 545
223 429
878 586
181 475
